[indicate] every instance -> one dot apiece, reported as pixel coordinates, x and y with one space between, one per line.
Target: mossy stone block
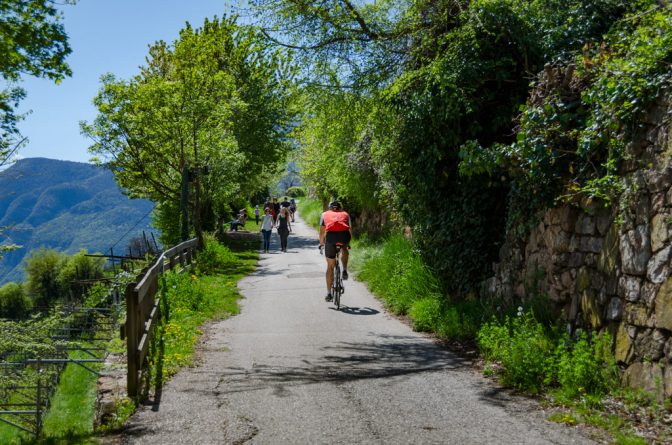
664 306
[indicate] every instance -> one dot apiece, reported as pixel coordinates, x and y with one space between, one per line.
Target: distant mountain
65 206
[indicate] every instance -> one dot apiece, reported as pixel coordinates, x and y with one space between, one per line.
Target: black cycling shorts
333 238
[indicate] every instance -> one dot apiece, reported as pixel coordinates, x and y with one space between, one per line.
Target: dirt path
292 370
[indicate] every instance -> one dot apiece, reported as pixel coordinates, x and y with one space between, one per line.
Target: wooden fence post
132 340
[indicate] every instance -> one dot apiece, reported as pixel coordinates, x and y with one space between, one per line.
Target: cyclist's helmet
334 205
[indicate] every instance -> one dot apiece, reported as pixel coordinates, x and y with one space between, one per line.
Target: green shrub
214 257
79 267
461 319
425 314
522 347
585 366
296 192
533 357
14 303
43 268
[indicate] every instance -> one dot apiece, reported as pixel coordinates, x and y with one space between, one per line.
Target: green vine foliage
574 129
629 70
457 139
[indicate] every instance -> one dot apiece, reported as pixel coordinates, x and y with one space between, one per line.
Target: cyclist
335 229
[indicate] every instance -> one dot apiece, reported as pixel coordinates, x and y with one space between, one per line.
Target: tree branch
360 20
319 45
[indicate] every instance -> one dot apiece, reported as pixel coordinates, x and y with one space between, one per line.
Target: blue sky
105 36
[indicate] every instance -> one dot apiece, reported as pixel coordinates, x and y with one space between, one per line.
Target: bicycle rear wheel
337 286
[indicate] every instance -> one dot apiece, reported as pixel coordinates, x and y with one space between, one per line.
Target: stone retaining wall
609 268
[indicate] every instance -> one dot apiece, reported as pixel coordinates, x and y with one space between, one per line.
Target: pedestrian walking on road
284 227
266 228
275 208
292 207
256 213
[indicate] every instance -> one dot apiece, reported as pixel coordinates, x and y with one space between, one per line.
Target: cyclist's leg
344 258
330 254
344 238
331 262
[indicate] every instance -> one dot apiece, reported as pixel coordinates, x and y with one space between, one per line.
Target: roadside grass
619 414
194 300
395 272
310 211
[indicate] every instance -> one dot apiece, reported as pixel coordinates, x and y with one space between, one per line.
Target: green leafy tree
337 157
76 269
43 268
32 42
215 99
14 303
341 42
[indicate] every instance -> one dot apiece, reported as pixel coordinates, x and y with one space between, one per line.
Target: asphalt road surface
290 369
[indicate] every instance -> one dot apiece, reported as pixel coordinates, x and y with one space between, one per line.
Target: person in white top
266 228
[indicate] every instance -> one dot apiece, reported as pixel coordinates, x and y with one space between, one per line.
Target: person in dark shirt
284 227
276 209
292 207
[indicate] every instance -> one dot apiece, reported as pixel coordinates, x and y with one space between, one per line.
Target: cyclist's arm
322 230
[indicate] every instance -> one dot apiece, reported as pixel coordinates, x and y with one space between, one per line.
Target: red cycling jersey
336 221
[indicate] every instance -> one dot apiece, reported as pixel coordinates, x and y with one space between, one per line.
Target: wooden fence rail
143 308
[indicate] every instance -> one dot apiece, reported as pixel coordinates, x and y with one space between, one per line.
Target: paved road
292 370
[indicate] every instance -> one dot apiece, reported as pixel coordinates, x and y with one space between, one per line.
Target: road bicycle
337 287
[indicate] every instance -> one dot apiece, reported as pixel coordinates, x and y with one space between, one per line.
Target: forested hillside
65 206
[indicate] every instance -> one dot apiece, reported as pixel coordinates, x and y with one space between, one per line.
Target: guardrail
143 308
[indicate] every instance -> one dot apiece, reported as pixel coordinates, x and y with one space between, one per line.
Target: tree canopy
216 100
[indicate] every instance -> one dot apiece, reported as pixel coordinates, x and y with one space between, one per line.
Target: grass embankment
70 417
523 346
395 272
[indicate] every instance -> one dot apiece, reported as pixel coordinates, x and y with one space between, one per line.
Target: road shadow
388 356
302 242
356 310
